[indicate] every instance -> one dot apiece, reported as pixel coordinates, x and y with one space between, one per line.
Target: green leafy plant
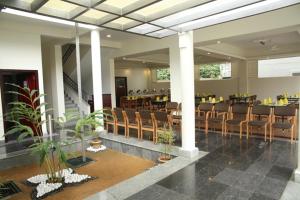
87 126
166 138
26 116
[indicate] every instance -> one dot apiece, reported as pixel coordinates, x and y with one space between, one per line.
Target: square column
96 69
112 82
297 171
186 47
175 81
57 83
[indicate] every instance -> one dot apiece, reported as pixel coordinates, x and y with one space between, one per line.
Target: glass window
215 71
279 67
163 74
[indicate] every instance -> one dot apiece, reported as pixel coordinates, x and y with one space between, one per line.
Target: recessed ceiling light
219 42
208 53
124 58
109 36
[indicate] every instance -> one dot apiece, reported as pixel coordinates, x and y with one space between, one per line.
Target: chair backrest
205 107
130 114
161 119
285 111
221 107
261 110
119 114
145 115
240 109
171 105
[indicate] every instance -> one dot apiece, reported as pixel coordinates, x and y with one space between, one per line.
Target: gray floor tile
281 173
257 196
228 176
249 182
272 188
234 194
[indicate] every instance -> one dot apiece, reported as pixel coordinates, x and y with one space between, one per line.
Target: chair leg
241 130
292 134
206 127
265 133
222 128
141 136
271 132
247 131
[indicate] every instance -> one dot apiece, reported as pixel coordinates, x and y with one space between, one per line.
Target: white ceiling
152 18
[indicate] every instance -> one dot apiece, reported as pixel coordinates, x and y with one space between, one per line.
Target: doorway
28 78
121 88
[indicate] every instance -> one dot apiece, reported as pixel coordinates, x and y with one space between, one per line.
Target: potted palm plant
87 126
166 138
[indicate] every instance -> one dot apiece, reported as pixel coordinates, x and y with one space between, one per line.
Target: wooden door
121 88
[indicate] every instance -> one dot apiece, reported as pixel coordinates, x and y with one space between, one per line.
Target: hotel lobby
149 99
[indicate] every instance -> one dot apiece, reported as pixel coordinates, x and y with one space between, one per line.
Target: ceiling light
36 16
219 42
124 58
108 36
208 53
46 18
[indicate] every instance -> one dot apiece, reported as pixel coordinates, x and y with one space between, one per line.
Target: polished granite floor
233 169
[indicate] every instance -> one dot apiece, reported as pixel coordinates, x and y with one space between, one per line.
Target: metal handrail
69 51
71 83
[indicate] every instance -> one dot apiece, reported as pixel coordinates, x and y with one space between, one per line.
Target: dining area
244 115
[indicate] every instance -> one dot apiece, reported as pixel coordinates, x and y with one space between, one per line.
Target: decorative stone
92 149
76 178
45 188
43 177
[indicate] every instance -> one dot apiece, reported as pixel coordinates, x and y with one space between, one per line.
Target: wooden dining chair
219 116
204 111
146 123
162 121
260 117
284 118
108 119
238 115
131 121
171 107
119 120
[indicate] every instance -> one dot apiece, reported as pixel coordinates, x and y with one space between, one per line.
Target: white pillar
297 171
78 70
96 69
187 90
175 73
57 80
1 118
112 82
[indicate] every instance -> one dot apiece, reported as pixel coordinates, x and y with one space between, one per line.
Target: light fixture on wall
46 18
108 36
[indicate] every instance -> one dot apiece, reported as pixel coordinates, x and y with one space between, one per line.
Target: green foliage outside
208 71
163 74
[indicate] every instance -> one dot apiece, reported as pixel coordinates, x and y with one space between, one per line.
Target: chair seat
215 120
281 125
200 118
234 121
257 123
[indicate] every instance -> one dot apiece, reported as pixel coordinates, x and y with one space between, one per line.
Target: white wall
22 51
270 87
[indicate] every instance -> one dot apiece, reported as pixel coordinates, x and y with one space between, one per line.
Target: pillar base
188 153
297 175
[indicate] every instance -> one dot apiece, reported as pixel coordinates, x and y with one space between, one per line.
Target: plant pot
96 143
164 159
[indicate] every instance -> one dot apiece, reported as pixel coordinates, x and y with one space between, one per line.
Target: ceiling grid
152 18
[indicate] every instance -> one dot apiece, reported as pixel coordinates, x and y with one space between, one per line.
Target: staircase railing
68 52
71 83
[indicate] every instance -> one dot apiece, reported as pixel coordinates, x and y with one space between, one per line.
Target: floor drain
78 162
9 188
